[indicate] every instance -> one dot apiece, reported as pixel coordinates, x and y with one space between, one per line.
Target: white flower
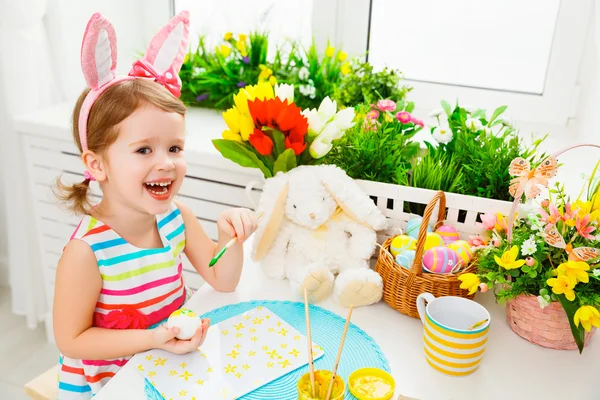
529 247
442 134
544 301
303 73
319 148
474 124
437 112
596 272
508 123
327 125
285 92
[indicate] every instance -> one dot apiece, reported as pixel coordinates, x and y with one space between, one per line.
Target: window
281 19
485 53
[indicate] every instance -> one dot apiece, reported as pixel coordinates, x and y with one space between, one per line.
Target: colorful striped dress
140 288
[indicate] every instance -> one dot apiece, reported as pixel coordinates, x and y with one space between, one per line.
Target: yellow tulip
574 270
241 46
224 50
228 36
562 285
342 56
509 259
242 37
346 69
232 119
587 316
228 135
246 127
330 51
470 282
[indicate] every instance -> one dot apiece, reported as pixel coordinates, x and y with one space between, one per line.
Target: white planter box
462 210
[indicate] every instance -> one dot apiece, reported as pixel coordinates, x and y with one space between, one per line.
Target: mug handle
421 299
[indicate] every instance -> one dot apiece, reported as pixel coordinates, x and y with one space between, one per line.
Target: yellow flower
265 73
588 316
261 91
228 135
242 37
244 53
342 55
232 119
574 270
501 223
470 282
330 51
228 36
224 50
562 285
241 46
509 259
346 68
273 80
584 208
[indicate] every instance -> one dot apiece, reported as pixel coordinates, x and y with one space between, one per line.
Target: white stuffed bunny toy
319 231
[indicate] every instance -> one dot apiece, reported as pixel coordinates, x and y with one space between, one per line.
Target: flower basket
401 286
548 327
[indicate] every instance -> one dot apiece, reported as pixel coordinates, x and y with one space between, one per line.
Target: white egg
187 321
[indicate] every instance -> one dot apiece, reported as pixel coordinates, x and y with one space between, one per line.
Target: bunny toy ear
169 46
99 52
272 203
351 198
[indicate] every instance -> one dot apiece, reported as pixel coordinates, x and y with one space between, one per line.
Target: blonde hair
113 106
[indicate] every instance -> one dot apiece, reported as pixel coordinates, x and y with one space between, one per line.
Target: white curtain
28 83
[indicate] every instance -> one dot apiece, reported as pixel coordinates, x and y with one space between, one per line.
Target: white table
512 368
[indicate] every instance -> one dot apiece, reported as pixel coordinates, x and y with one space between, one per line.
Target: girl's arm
77 289
200 249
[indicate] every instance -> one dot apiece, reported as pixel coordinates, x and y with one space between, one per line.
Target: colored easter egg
463 249
406 258
433 240
401 243
187 321
413 225
440 260
448 233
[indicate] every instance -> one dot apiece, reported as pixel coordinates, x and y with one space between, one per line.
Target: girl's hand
164 339
239 222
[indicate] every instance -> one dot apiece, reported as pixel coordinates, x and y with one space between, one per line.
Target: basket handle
519 194
440 198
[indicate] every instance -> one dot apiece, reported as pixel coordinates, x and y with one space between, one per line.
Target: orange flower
261 142
284 117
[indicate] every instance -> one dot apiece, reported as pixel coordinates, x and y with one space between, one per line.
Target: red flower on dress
126 318
279 115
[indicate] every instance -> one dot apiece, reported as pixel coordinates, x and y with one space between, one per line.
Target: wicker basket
547 327
401 286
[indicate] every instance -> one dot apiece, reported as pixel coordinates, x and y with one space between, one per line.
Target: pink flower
404 117
583 228
477 241
373 114
488 221
417 121
126 318
552 218
386 105
371 124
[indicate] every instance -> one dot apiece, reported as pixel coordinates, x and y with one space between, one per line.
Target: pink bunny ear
169 46
99 52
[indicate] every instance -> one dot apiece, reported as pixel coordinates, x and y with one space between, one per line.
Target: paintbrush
227 246
339 355
309 340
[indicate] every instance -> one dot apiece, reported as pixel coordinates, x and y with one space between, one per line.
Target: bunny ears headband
161 63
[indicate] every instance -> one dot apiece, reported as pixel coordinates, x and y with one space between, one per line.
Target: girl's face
145 166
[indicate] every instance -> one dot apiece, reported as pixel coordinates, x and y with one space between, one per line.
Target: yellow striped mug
452 344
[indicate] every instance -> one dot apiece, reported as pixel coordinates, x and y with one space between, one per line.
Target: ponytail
74 196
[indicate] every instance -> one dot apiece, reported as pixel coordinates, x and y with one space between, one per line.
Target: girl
120 275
